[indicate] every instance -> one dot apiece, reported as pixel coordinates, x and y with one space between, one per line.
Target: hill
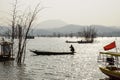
71 28
51 27
48 24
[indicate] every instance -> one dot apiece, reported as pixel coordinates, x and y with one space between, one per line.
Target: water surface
81 66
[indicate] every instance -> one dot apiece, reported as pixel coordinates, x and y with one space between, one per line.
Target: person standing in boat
72 49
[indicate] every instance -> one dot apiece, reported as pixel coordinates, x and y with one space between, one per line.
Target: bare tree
13 23
89 33
21 25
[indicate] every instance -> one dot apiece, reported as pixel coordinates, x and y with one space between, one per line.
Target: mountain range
60 27
73 28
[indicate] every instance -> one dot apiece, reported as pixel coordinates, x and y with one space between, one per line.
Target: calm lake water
81 66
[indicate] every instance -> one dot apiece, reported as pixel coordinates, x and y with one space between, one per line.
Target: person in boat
110 61
72 49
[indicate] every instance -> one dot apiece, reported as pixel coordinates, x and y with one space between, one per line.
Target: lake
81 66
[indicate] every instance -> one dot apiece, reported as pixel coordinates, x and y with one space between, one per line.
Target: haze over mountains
48 24
58 26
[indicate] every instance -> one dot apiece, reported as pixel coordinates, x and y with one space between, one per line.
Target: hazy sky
83 12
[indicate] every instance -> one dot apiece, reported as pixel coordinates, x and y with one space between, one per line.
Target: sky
80 12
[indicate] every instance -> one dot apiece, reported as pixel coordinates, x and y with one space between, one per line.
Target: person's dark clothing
72 48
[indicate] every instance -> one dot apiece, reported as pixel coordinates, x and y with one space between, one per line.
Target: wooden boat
51 53
111 66
71 41
91 41
112 72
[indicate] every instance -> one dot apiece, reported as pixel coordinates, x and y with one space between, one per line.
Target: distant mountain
106 29
37 32
4 30
71 28
51 24
58 26
64 29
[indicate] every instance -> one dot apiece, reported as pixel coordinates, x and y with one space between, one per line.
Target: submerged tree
21 25
89 33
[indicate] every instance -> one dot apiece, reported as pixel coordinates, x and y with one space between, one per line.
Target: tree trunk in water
19 57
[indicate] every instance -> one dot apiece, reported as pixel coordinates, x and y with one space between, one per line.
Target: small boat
90 41
51 53
71 41
114 74
111 63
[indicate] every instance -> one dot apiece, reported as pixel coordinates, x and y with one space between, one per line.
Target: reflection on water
81 66
10 71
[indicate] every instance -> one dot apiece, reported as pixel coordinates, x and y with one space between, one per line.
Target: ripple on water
81 66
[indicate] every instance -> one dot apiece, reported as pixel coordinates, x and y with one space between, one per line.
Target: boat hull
51 53
71 41
111 73
80 42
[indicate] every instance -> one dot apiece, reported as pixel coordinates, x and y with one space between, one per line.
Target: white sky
82 12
